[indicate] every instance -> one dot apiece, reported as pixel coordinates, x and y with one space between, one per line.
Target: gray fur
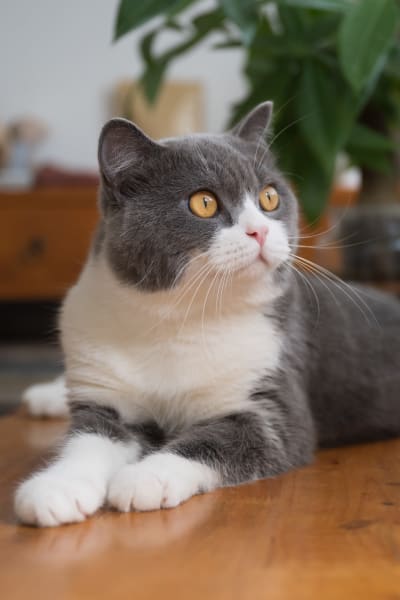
89 417
339 380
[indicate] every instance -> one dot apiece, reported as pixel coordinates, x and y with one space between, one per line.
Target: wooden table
328 531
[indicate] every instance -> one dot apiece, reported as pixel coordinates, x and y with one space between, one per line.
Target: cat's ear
123 147
255 124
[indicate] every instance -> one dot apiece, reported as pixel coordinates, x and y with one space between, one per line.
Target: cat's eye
269 198
203 204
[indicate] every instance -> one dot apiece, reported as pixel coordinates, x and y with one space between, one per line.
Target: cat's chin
255 269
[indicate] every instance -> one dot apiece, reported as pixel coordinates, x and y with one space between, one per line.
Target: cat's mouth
254 266
263 259
247 260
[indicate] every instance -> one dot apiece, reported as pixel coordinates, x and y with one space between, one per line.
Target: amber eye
269 198
203 204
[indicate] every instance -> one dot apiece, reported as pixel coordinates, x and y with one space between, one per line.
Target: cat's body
195 356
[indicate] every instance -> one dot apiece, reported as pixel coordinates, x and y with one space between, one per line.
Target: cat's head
215 199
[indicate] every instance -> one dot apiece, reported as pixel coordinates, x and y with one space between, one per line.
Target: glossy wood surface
329 531
44 240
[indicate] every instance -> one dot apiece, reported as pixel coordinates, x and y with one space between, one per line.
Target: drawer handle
34 249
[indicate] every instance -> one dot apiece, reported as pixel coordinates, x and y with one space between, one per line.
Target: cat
197 355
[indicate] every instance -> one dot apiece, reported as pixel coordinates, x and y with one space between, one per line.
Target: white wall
57 62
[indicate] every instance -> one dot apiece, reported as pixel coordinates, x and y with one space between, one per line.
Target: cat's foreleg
226 451
74 486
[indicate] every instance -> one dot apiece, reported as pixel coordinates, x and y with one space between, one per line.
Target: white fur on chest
120 354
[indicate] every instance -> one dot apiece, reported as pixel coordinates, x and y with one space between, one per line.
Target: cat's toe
135 488
176 492
48 501
158 481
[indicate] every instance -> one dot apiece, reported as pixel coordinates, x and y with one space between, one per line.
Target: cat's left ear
255 124
124 148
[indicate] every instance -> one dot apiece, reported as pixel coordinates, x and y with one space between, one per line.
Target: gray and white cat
196 355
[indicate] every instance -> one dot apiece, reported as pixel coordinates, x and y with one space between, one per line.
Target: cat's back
345 312
353 338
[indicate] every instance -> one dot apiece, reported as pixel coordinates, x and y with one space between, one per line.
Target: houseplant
332 68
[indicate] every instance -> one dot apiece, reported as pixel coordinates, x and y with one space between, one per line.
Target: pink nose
258 234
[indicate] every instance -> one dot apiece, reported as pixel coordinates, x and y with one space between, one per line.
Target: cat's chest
174 373
203 371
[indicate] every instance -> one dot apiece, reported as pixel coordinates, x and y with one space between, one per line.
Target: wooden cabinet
44 239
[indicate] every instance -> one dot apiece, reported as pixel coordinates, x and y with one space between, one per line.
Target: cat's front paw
161 480
47 399
48 500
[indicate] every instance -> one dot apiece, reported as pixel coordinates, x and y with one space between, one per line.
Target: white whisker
344 287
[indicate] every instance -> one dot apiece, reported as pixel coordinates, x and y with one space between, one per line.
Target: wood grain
329 531
44 239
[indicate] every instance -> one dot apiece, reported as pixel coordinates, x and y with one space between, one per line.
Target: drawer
42 250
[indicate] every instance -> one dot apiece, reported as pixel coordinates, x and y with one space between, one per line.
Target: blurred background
332 68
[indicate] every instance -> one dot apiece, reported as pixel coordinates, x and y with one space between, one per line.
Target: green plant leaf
209 21
366 147
365 37
269 48
275 86
146 46
156 65
327 111
244 13
311 183
313 189
328 5
177 7
375 161
152 78
369 139
293 21
133 13
227 44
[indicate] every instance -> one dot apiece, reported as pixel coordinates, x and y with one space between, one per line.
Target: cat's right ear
255 124
123 148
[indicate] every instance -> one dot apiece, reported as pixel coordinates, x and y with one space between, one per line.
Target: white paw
159 481
48 500
47 399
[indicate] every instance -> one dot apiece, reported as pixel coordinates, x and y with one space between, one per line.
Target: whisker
308 283
318 275
202 280
337 247
185 266
342 286
185 290
189 285
277 136
225 280
331 228
147 273
261 140
204 309
218 304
